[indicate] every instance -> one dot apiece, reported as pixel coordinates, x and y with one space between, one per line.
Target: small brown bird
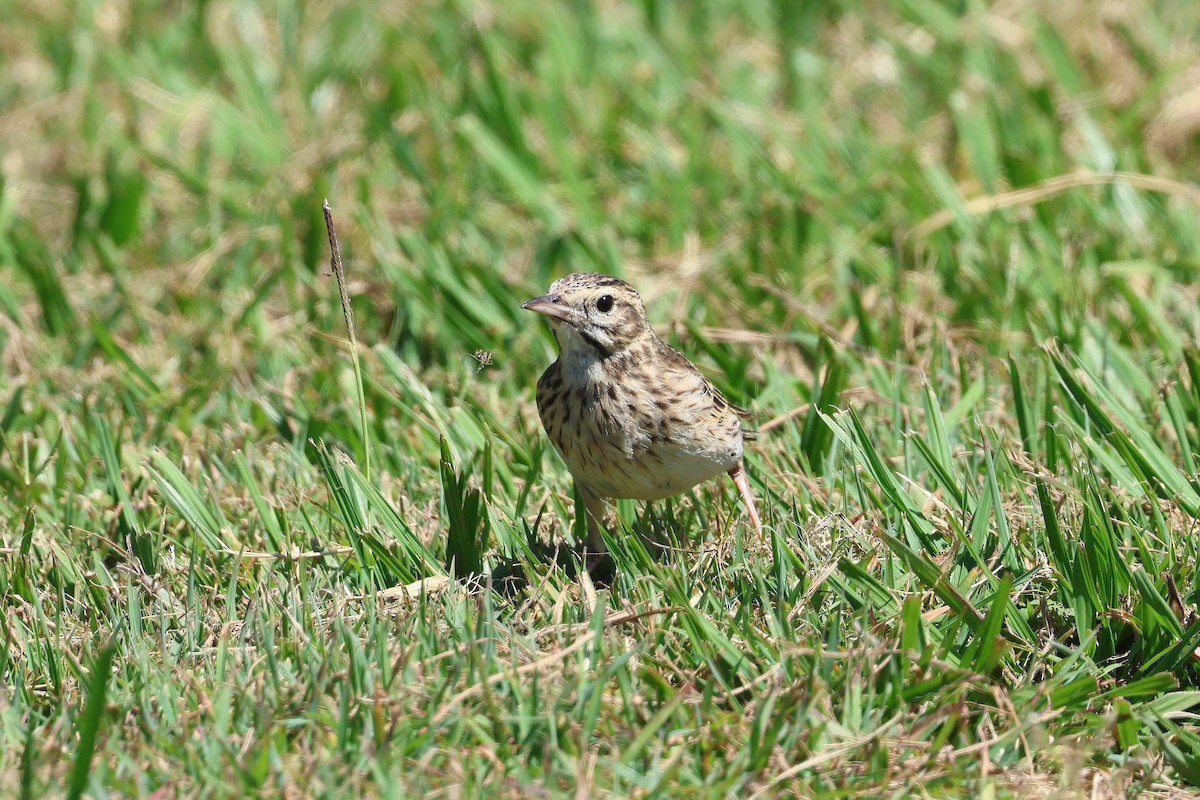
628 413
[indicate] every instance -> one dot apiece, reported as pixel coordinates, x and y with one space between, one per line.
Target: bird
630 415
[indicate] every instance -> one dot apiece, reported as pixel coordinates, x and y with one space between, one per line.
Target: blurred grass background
947 253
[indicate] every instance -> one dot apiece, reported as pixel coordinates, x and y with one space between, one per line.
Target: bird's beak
551 307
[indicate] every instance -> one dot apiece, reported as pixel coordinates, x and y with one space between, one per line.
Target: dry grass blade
1044 190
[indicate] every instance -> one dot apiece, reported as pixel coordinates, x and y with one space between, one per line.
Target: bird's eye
604 304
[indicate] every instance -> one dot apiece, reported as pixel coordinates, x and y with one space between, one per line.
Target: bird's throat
575 343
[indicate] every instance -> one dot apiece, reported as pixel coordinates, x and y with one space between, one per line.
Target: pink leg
593 506
739 478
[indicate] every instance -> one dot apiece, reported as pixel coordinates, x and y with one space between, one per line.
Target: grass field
946 252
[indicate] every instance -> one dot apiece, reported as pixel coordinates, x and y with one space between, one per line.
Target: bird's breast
626 431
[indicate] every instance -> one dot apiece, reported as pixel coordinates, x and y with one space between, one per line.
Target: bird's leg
593 506
739 478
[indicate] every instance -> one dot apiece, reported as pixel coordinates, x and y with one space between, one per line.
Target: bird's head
598 312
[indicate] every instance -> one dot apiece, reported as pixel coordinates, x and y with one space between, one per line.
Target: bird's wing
686 374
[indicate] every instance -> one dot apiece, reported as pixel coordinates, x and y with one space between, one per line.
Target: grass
947 253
